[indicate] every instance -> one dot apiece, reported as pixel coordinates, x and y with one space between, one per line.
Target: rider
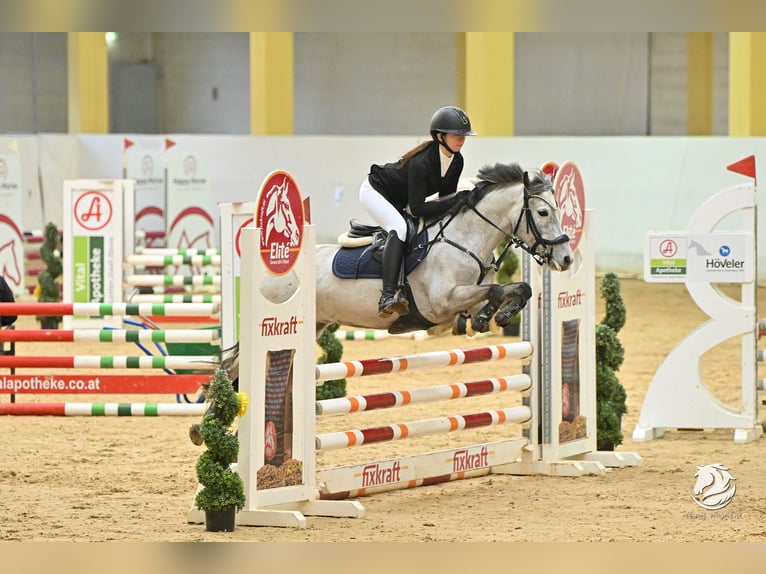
432 167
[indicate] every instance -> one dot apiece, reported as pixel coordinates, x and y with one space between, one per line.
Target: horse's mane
492 176
504 173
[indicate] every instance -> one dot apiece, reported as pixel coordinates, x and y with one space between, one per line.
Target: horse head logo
9 264
714 488
190 165
147 165
279 214
568 202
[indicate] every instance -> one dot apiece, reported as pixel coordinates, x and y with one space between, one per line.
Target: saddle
361 250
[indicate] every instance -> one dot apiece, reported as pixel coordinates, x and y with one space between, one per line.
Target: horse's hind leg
518 299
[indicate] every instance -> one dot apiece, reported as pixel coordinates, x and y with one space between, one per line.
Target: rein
511 239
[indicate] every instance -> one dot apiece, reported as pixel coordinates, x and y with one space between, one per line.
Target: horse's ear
534 178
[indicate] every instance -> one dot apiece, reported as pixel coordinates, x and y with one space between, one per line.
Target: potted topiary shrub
222 492
333 351
610 394
48 289
505 274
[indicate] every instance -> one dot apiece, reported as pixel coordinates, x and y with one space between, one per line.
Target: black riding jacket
409 184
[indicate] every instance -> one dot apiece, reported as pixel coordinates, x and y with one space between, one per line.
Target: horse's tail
230 363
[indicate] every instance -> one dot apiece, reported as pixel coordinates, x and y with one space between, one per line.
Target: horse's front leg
480 321
519 294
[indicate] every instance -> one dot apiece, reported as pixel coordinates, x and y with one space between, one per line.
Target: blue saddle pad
365 262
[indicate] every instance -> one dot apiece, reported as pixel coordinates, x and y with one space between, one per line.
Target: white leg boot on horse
392 299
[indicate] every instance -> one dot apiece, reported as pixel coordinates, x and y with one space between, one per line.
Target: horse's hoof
460 326
195 435
479 323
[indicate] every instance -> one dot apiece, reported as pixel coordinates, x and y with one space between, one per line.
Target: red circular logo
550 168
279 215
570 195
668 248
93 210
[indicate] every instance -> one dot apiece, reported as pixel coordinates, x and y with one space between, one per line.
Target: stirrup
390 304
396 304
385 307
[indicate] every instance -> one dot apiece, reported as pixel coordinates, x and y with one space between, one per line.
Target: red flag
127 143
744 166
169 143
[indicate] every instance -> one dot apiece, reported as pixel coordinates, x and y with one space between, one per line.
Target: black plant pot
221 520
512 329
49 322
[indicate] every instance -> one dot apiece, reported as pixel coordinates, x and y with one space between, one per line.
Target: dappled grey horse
452 267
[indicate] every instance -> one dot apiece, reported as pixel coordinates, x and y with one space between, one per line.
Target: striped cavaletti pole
199 363
165 260
173 280
345 405
174 298
366 367
174 251
103 409
345 439
376 335
111 336
110 309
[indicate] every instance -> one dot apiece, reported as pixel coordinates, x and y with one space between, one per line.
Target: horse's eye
542 212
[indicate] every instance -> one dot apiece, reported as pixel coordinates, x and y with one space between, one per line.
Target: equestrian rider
433 167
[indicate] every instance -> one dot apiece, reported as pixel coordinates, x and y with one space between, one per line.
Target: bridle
541 251
547 245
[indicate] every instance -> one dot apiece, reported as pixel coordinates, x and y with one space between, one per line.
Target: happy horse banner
11 226
190 205
144 164
96 228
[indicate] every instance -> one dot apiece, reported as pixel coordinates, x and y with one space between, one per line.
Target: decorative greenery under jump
610 394
222 487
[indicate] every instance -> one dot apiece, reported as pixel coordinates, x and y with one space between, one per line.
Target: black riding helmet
450 120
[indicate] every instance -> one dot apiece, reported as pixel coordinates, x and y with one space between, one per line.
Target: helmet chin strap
443 143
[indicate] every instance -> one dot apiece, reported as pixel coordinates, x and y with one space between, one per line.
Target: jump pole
103 409
102 310
198 362
110 336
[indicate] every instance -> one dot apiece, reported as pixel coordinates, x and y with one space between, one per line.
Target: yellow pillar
747 84
489 81
699 83
271 83
87 83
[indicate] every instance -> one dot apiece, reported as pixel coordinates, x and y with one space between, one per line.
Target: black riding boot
391 300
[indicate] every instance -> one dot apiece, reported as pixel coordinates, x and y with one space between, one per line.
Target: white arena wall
636 184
